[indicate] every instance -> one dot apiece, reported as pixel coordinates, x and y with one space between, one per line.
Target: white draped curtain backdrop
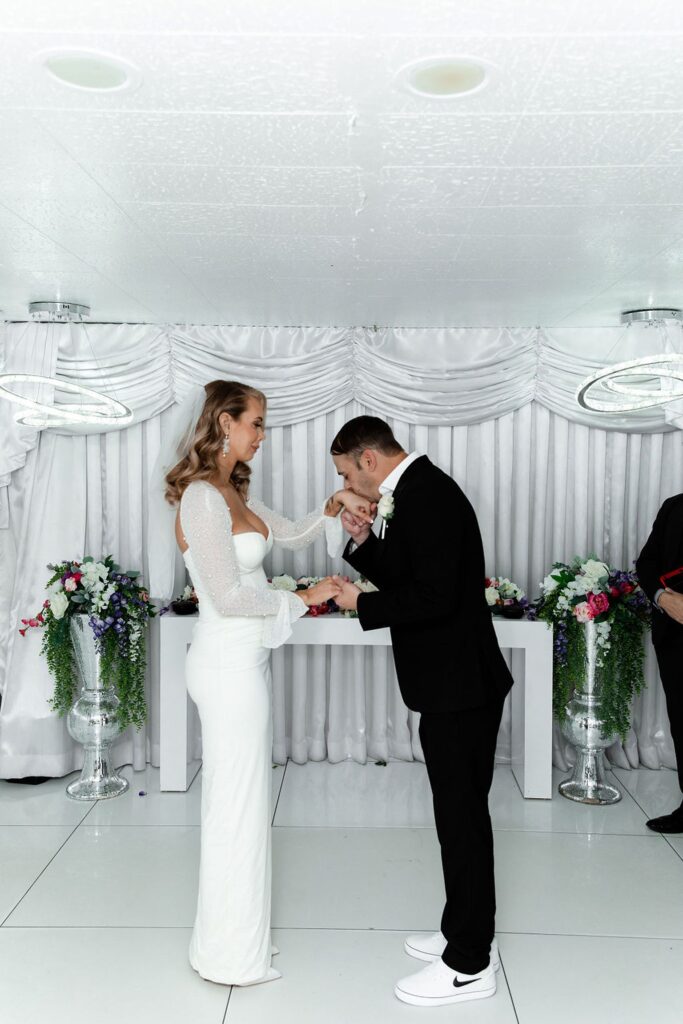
492 407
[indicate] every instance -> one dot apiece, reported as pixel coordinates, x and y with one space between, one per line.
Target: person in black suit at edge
428 564
663 553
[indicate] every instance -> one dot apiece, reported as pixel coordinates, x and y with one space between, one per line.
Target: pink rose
583 612
70 584
598 603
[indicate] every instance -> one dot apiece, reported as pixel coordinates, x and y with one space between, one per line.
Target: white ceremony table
531 739
531 694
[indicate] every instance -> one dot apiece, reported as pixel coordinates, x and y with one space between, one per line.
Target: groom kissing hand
429 571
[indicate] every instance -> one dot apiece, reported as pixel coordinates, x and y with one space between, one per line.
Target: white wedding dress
228 677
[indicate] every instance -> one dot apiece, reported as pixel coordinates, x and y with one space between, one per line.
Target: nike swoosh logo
461 984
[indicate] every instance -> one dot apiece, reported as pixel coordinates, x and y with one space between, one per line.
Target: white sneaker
431 947
437 985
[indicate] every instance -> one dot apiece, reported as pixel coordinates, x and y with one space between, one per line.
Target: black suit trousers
459 749
670 661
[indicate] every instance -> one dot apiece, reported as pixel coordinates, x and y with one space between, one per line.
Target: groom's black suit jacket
663 552
430 572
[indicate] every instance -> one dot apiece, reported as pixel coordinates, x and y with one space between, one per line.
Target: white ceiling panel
413 221
640 230
243 220
562 186
230 139
584 74
579 139
280 248
436 139
439 187
640 17
268 169
485 17
215 183
193 72
514 62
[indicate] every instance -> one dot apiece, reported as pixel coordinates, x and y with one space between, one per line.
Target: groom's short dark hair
365 432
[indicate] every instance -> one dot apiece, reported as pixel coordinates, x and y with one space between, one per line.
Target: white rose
58 604
548 584
596 570
491 595
283 582
366 586
385 506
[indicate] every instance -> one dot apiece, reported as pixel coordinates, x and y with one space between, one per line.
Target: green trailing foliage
589 591
118 609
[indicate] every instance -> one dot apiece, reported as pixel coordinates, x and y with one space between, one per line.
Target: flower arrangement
118 608
590 591
186 603
505 598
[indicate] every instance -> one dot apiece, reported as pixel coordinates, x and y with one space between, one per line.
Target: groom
428 564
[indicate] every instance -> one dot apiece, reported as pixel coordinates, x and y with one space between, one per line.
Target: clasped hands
358 516
332 587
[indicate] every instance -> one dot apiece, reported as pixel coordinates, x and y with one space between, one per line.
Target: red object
23 632
673 580
598 603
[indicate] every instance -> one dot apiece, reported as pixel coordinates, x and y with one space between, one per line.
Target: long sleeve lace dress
228 677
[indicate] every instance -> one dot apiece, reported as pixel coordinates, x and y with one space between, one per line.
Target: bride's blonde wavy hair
201 461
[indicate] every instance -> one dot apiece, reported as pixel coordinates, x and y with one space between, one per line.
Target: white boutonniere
385 510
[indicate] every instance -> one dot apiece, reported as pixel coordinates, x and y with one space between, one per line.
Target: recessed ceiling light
90 70
444 78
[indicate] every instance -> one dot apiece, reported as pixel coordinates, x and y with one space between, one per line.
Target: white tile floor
97 902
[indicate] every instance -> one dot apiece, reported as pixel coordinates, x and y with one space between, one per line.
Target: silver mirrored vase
582 726
92 720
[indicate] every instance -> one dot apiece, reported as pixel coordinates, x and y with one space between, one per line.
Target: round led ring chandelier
41 414
627 386
99 410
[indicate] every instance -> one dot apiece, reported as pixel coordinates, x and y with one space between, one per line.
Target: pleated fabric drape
545 487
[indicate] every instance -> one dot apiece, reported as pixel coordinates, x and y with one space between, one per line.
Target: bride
224 535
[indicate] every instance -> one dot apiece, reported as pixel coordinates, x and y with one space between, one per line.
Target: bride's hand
320 592
362 508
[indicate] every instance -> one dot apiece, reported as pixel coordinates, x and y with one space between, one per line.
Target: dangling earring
226 444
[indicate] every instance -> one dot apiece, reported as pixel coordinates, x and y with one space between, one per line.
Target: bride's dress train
228 677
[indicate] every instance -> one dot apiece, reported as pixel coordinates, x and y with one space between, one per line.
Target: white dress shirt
389 485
